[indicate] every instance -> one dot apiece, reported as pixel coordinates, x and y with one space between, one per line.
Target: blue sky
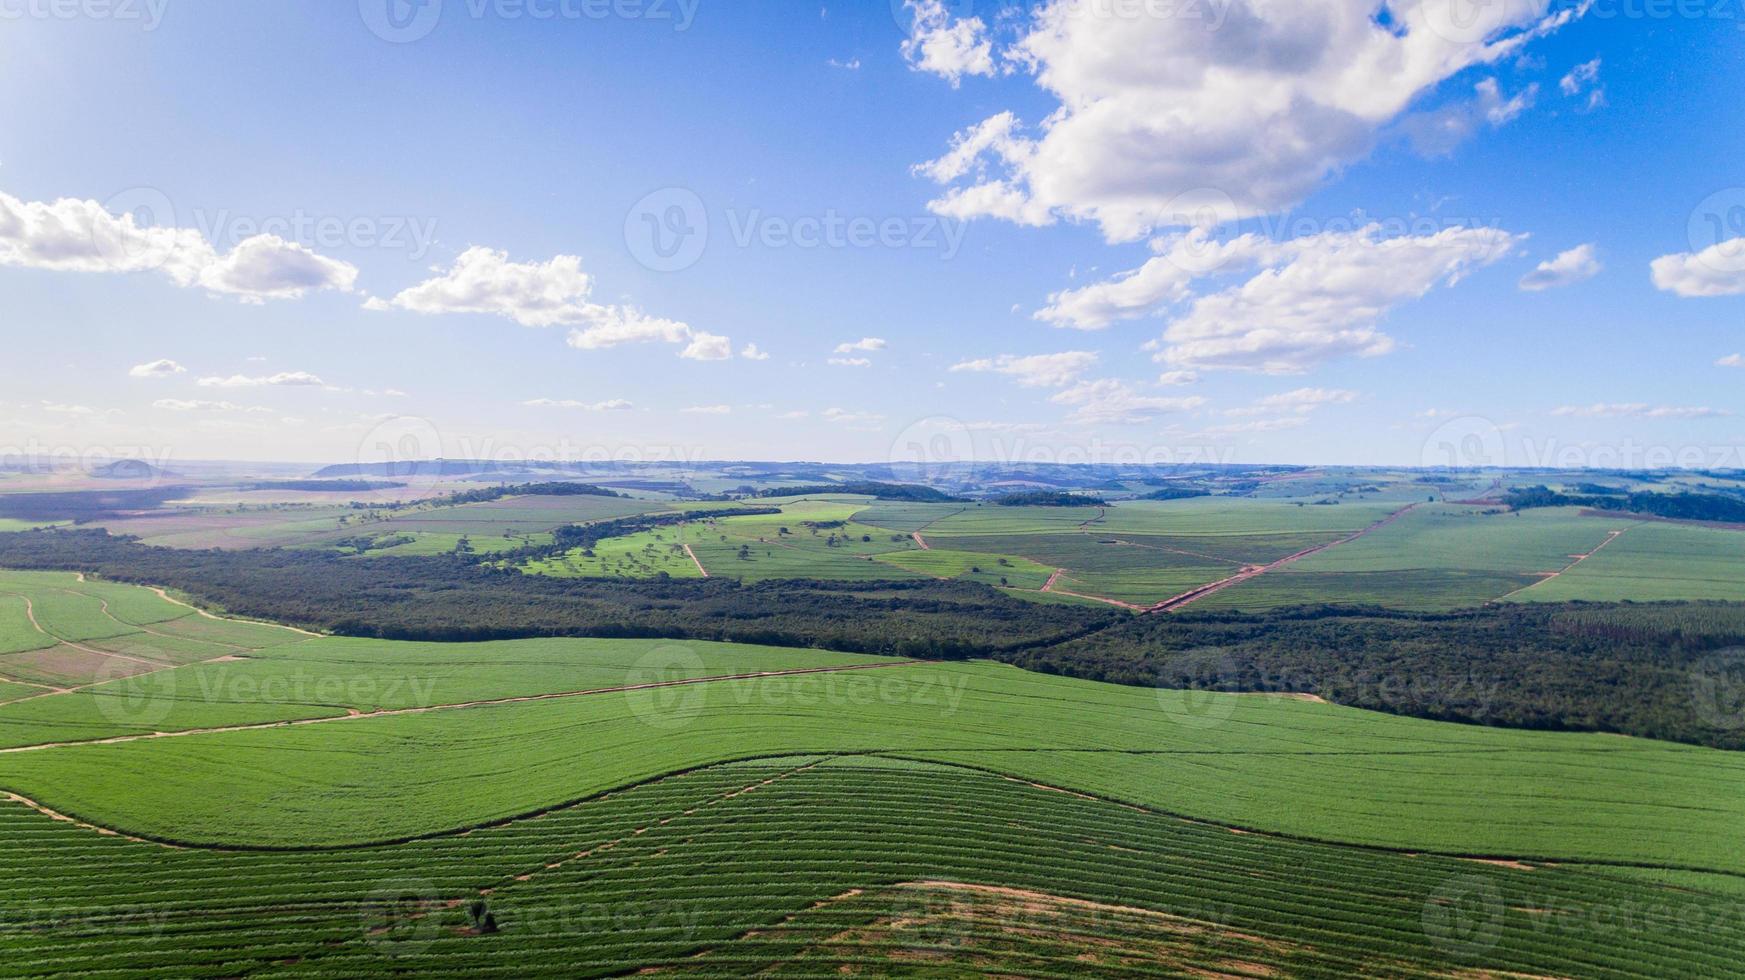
1214 233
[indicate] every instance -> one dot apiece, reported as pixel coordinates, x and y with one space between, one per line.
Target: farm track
696 561
1254 571
457 706
1578 559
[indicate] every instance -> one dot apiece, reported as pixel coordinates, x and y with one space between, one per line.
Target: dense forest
1663 670
1656 670
1672 506
1049 498
452 598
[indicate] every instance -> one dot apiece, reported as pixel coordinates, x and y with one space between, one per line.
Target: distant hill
908 492
128 469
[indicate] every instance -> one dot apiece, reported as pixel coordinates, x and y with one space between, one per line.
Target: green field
1651 561
864 814
833 865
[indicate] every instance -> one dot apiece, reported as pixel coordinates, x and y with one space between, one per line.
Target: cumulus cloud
1176 379
863 344
751 353
850 362
614 405
1718 270
1567 269
708 410
707 347
70 235
1731 360
1637 410
1312 299
1167 278
1264 108
546 294
162 368
284 379
1112 400
947 47
1035 370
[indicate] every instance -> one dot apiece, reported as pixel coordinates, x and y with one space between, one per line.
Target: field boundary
899 755
457 706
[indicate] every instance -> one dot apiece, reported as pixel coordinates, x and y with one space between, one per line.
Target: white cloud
1731 360
708 410
1035 370
1580 77
268 267
1110 400
798 413
1568 268
1263 108
1585 76
1440 131
850 362
945 48
284 379
852 64
1320 297
72 235
163 368
707 347
863 344
1167 278
614 405
1718 270
1176 379
546 294
863 420
751 353
1637 410
195 405
1302 401
483 280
